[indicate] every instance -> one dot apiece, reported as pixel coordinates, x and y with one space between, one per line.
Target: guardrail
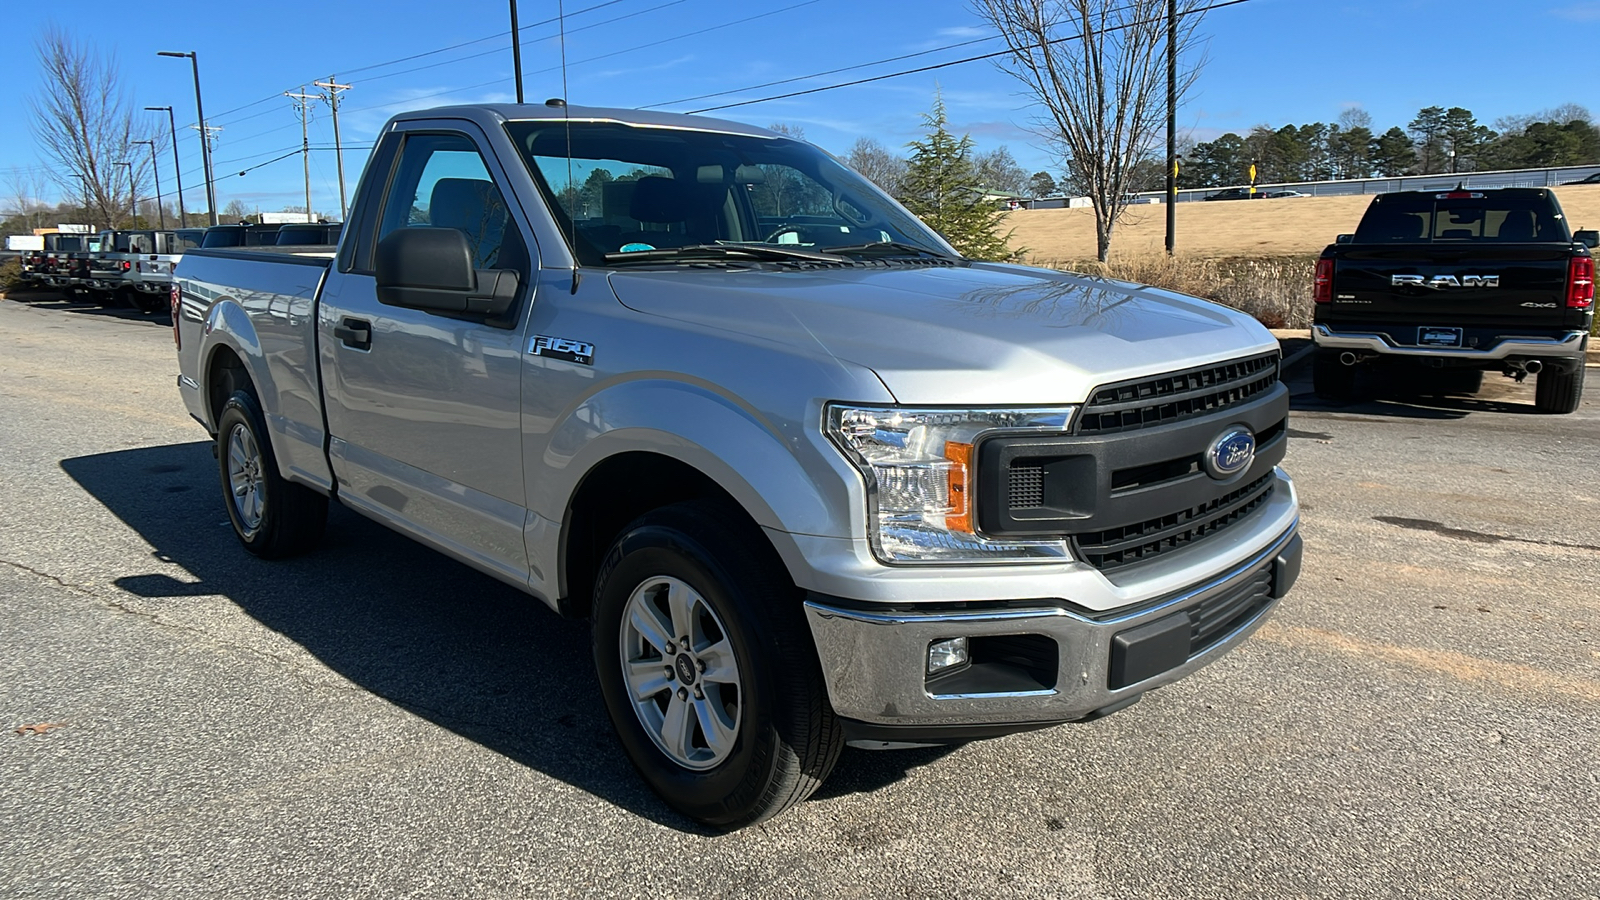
1549 177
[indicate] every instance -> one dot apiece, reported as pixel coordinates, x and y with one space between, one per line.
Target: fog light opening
948 655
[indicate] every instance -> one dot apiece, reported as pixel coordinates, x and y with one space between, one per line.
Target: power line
944 65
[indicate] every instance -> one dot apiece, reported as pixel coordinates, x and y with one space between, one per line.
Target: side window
441 181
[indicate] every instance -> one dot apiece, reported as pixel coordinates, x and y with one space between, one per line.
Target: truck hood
982 335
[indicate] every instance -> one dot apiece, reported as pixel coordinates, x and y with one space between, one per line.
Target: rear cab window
1531 216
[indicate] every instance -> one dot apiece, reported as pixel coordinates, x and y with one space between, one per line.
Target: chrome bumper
874 661
1569 346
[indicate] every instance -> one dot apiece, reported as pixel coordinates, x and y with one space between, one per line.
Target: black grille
1026 489
1144 402
1114 548
1223 614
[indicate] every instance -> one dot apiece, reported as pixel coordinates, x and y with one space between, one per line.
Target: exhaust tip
1347 358
1533 366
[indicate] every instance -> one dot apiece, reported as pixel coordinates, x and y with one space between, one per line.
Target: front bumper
1566 346
874 658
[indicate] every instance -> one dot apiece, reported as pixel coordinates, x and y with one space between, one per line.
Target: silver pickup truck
814 478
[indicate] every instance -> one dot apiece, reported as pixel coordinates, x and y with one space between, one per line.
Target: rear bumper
874 659
1568 345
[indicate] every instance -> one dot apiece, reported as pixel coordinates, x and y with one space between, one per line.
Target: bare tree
26 196
1099 68
83 120
998 170
877 164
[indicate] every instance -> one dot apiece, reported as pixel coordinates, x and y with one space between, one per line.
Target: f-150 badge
581 352
1440 282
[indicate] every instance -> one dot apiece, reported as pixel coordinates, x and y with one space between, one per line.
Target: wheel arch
621 488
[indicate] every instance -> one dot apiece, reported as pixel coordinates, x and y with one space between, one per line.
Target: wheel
1558 392
271 516
707 669
1332 379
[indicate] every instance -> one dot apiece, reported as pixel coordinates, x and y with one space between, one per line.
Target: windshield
630 189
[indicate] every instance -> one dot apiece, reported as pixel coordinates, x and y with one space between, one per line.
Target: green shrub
10 274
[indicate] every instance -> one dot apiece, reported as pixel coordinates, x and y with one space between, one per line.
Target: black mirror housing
1590 239
431 269
1344 239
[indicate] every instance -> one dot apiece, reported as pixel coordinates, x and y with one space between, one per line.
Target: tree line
1437 141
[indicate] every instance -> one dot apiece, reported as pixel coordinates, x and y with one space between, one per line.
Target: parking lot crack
1477 537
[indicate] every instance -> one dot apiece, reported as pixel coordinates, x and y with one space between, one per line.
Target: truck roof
497 113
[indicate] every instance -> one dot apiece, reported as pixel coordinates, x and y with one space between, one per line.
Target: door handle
354 333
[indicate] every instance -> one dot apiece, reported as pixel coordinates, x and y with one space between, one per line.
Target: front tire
733 725
1558 392
272 517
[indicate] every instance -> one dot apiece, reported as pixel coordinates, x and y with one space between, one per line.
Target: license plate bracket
1431 336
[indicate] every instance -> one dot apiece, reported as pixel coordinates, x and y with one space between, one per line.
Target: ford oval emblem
1231 453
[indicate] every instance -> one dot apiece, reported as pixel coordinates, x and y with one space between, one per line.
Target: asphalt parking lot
1421 718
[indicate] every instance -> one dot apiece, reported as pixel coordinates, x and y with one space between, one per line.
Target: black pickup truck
1437 287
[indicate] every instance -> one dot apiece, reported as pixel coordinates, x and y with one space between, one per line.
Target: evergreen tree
1427 133
1041 184
1392 153
941 188
1464 139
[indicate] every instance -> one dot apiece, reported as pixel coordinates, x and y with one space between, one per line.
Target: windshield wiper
719 251
891 248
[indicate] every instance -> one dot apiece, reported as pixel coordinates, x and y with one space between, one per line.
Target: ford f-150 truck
1436 287
814 477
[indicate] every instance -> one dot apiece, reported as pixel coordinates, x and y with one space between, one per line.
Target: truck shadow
85 307
425 633
1372 400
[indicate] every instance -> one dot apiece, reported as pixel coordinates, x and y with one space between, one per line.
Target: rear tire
1558 392
1332 379
272 517
741 729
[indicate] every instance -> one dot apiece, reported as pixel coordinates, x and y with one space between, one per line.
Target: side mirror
1589 239
1344 239
431 269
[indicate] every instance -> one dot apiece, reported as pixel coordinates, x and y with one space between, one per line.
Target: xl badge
1231 453
581 352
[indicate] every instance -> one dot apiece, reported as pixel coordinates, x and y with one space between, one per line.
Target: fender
297 443
783 473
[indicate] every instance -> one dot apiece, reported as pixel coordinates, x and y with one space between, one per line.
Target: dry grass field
1256 229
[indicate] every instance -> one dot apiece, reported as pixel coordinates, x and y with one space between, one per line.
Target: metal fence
1441 182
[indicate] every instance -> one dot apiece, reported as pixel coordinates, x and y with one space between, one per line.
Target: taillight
1580 282
173 297
126 265
1322 290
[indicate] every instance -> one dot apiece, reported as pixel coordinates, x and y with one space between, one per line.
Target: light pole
161 210
133 193
205 139
183 220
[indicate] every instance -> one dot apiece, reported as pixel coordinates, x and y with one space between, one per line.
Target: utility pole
1172 127
161 209
332 99
303 100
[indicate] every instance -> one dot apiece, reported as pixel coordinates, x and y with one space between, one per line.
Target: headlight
919 467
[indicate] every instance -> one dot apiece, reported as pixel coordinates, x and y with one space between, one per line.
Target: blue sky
1268 62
